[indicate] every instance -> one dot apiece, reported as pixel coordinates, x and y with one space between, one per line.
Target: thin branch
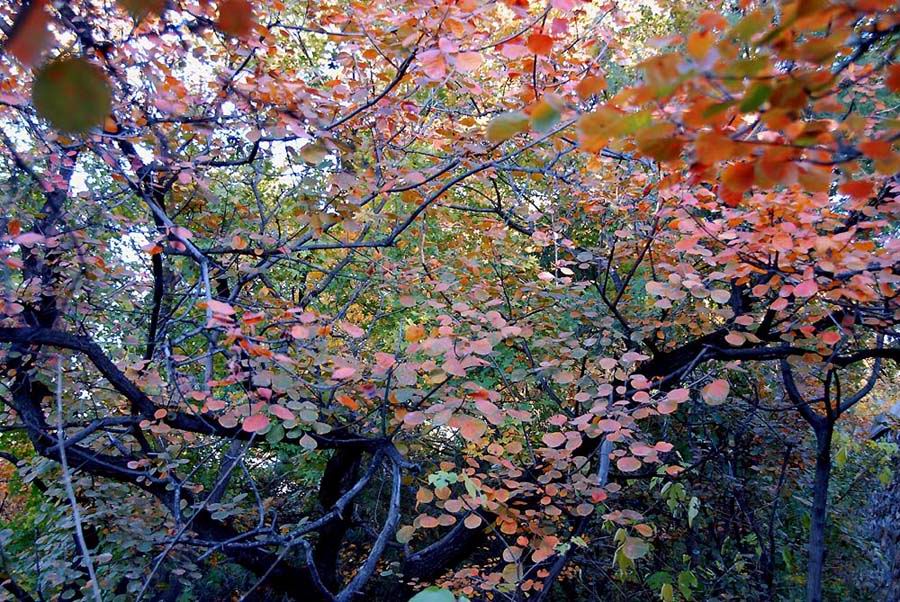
70 490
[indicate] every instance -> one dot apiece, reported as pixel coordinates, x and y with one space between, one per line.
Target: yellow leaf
505 126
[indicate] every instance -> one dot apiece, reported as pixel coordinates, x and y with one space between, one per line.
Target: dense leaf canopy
455 300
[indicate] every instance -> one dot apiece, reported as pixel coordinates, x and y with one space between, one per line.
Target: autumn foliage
449 300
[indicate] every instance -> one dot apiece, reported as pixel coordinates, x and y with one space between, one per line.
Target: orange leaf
540 43
699 43
876 149
712 20
590 85
471 428
347 402
857 189
414 333
738 176
467 61
433 63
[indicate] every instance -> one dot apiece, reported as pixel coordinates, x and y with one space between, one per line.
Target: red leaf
892 80
876 149
30 37
859 189
235 17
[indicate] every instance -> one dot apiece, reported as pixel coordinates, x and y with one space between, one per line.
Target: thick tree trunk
816 562
341 473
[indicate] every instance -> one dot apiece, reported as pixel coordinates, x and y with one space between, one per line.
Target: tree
346 298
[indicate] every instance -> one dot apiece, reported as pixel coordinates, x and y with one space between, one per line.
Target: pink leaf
281 412
218 307
342 373
553 439
514 51
352 329
470 428
716 392
255 423
628 464
807 288
414 418
29 239
467 61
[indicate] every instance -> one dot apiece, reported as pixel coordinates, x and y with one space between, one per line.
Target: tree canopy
448 300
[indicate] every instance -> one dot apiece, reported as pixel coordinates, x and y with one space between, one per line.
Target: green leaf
275 434
433 594
545 114
405 533
470 486
72 94
750 25
633 122
719 107
840 458
138 9
505 126
748 67
693 510
755 97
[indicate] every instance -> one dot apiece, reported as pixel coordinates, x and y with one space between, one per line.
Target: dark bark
819 514
340 474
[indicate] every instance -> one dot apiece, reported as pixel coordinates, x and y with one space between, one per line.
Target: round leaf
433 594
72 94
